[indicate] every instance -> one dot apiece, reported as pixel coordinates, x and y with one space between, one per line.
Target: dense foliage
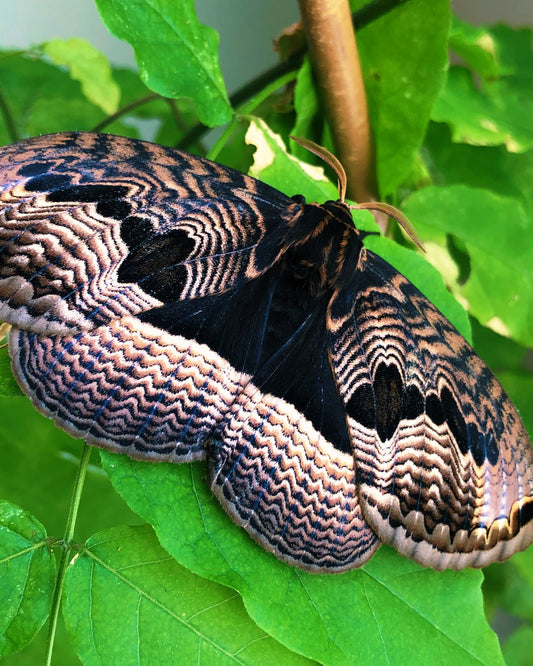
454 150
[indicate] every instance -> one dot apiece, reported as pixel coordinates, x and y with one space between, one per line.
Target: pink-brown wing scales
146 319
282 465
94 227
289 486
129 387
444 464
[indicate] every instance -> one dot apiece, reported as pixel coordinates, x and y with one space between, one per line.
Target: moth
173 309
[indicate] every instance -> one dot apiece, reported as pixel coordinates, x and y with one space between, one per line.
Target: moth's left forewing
444 463
94 227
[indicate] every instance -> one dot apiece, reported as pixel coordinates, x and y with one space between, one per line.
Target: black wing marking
444 464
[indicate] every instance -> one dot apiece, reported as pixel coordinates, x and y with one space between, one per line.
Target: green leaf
27 577
310 122
491 168
38 468
504 589
495 115
88 66
498 237
391 611
176 54
306 104
524 563
39 464
273 165
43 98
476 46
519 386
26 81
169 119
517 648
497 109
404 58
32 654
127 599
500 353
8 385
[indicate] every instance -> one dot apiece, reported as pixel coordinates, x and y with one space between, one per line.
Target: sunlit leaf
273 165
176 54
88 66
27 577
335 619
496 108
498 238
127 599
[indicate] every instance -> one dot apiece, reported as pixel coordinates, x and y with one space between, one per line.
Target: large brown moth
173 309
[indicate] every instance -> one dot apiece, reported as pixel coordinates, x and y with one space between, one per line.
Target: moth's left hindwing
444 464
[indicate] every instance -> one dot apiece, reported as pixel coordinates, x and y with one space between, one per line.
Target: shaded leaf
176 54
127 599
403 76
492 168
496 109
43 98
88 66
519 385
498 238
335 619
8 385
517 648
501 353
309 121
27 577
505 588
172 117
524 564
38 468
32 654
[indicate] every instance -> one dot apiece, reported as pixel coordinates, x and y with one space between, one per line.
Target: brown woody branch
333 50
361 18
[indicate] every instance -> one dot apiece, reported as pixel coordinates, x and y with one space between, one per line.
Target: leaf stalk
67 548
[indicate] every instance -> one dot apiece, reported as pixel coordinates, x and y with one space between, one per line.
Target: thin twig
361 18
373 11
245 93
67 550
248 108
124 110
175 113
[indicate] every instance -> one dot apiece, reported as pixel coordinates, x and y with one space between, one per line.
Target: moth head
376 206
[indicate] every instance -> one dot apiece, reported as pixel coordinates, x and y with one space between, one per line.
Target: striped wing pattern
173 309
444 464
